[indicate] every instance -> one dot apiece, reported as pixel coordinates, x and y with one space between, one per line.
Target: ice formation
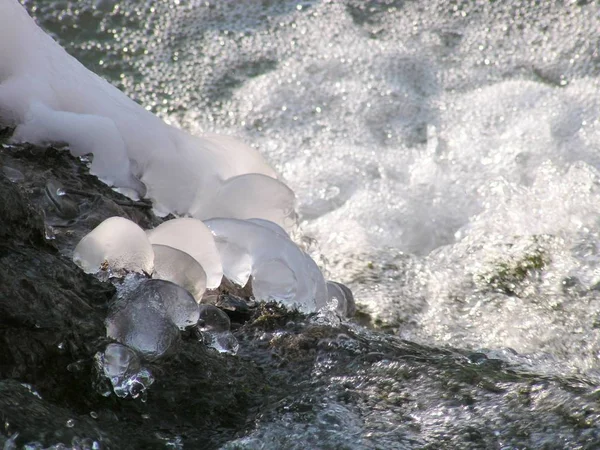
341 299
214 325
147 318
118 243
178 267
50 97
123 367
280 271
194 238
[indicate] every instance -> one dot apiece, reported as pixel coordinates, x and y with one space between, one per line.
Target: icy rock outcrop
148 317
280 271
50 97
171 264
118 243
194 238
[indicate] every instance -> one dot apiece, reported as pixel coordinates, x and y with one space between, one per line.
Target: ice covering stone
148 317
50 97
178 267
194 238
116 241
280 270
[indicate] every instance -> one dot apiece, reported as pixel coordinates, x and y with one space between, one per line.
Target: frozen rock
178 267
280 270
118 242
194 238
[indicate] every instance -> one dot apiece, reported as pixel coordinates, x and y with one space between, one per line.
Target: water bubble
70 423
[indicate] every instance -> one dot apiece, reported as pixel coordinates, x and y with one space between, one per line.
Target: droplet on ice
116 241
178 267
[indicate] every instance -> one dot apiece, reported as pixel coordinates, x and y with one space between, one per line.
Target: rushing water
445 157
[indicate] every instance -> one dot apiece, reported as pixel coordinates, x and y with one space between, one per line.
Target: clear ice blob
224 342
143 328
341 299
194 238
65 207
118 243
178 267
274 276
213 319
122 366
148 318
214 325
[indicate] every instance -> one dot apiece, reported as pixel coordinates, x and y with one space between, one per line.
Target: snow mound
51 98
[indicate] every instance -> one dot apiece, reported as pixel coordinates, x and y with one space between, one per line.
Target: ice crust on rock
194 238
280 271
148 317
117 241
50 97
178 267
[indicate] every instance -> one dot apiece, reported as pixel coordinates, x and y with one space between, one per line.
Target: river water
445 156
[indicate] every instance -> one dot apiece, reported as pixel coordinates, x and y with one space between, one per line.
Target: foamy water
445 156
